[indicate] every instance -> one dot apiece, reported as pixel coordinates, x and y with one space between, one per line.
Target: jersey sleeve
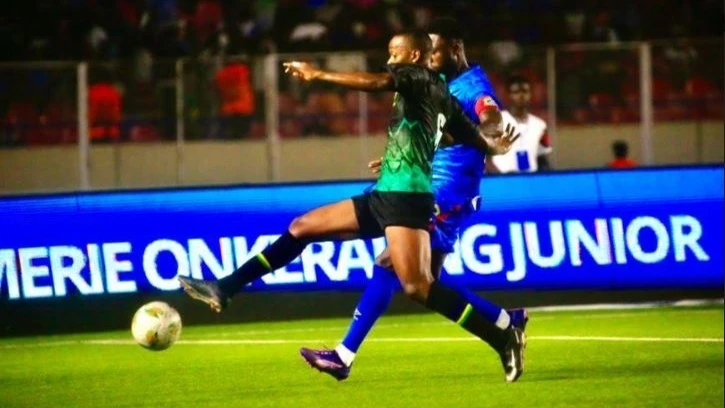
544 143
484 103
407 77
458 125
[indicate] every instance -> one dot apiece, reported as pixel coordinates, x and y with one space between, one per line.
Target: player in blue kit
457 173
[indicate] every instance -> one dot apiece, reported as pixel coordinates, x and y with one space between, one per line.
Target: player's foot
205 291
512 355
519 318
326 361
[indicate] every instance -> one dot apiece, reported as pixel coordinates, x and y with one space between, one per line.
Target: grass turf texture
242 366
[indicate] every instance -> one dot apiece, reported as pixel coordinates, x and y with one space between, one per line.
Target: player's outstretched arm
490 137
499 139
500 143
361 81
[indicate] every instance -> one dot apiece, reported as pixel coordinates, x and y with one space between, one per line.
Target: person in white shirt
529 153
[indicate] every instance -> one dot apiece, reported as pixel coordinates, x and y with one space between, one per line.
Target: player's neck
461 67
520 113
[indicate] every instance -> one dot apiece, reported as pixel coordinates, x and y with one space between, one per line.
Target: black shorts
377 210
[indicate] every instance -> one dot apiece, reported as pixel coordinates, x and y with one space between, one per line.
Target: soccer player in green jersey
401 203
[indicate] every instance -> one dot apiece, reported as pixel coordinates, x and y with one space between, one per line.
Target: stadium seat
22 123
62 120
600 105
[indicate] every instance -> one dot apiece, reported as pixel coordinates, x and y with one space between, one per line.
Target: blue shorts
445 224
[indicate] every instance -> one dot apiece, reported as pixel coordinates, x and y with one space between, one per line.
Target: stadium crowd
140 39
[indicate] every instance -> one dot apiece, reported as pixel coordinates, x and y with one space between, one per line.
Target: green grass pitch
666 357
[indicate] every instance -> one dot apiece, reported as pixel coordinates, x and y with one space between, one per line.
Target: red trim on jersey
485 103
544 141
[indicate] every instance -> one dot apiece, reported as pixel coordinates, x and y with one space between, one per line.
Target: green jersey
421 108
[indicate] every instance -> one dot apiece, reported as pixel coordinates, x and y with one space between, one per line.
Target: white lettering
94 268
558 249
453 263
29 272
8 268
199 253
663 241
682 239
150 265
72 272
379 245
470 252
620 254
115 267
353 255
321 257
578 237
518 252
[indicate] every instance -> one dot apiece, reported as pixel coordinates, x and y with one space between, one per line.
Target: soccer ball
156 326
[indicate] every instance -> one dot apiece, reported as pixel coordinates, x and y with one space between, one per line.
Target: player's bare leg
410 255
333 221
519 317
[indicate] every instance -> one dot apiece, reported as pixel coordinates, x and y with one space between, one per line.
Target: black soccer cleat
205 291
326 361
512 355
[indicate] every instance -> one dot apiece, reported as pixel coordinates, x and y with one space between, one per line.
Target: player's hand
301 70
375 166
500 142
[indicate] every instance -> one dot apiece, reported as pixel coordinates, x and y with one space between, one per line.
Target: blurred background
142 140
143 93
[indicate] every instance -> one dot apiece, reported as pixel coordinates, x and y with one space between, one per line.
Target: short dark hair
517 80
419 40
446 27
620 149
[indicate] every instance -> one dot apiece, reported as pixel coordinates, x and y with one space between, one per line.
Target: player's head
409 47
620 149
519 90
447 39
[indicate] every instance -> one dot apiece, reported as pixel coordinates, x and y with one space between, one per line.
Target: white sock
346 355
504 320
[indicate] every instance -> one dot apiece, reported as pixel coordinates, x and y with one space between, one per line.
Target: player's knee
300 226
417 290
384 262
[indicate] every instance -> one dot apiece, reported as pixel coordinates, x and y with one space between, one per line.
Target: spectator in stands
506 51
620 149
104 110
602 29
324 113
237 99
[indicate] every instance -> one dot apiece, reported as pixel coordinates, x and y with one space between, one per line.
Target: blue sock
372 305
490 311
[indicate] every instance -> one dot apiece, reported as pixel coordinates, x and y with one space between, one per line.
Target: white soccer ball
156 326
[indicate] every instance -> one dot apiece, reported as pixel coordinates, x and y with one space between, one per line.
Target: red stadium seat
703 98
696 86
600 105
257 130
62 120
23 123
661 89
143 132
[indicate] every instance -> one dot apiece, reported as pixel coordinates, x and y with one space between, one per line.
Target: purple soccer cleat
326 361
519 318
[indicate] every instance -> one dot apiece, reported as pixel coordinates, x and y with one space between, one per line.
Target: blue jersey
458 169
